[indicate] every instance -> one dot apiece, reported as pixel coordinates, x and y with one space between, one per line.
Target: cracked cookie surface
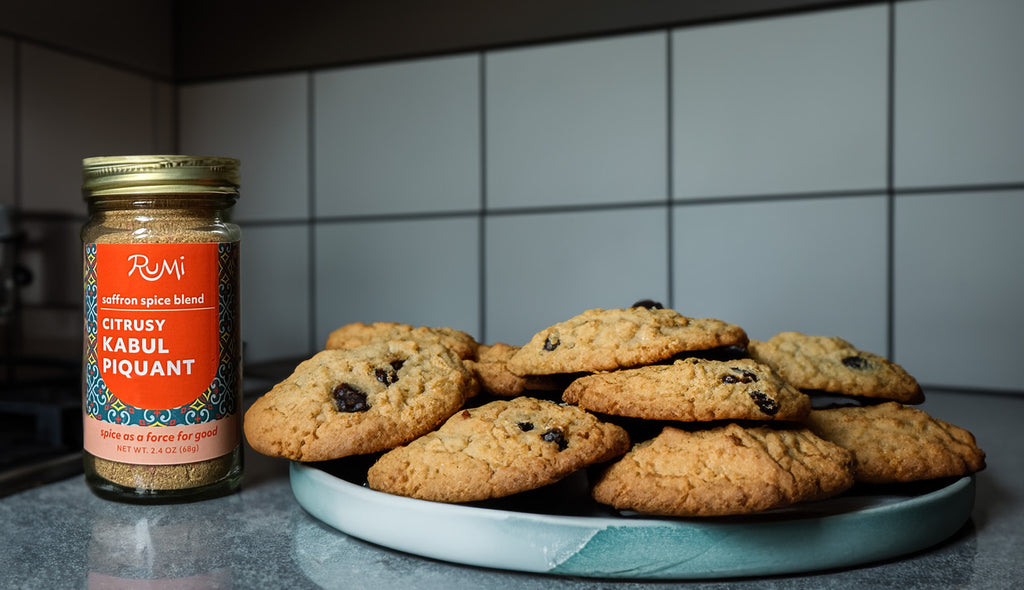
359 334
498 449
833 365
357 401
895 443
607 339
725 471
691 390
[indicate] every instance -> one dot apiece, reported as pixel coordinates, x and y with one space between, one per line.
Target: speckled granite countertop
61 536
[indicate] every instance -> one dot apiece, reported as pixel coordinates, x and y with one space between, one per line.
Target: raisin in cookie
895 443
357 401
498 449
691 390
833 365
607 339
359 334
724 471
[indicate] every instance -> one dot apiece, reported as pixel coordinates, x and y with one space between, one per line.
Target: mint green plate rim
824 535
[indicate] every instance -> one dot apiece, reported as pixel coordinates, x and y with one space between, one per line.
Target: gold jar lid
159 174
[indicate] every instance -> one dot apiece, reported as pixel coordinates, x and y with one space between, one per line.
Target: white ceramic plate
561 531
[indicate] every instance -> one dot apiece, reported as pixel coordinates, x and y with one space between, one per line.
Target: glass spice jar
162 375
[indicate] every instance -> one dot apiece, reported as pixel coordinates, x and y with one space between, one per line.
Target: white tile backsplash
781 105
263 122
275 275
959 267
72 108
545 268
577 123
503 190
421 272
959 88
398 138
816 266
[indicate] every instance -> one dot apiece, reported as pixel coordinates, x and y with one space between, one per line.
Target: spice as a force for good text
162 352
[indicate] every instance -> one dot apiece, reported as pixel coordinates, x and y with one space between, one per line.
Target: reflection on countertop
129 547
41 416
60 535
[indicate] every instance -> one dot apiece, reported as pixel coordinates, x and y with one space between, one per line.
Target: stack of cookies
674 415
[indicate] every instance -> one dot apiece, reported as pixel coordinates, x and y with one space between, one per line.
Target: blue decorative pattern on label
217 401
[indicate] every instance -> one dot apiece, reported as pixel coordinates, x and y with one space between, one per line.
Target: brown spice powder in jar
144 201
164 477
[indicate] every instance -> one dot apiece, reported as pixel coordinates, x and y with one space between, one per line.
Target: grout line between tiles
960 188
890 173
669 170
386 217
311 205
45 216
482 216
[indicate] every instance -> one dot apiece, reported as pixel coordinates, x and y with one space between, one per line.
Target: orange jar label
162 357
